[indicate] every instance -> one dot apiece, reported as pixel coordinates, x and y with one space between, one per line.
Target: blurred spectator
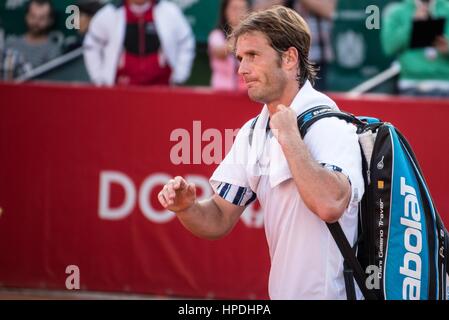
318 15
87 8
424 71
223 63
36 46
141 42
12 64
265 4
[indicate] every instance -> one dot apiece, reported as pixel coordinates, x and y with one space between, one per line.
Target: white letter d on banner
104 210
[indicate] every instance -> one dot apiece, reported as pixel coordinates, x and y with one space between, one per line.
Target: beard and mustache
38 30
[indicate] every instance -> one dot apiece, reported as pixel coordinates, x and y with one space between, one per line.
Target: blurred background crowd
364 46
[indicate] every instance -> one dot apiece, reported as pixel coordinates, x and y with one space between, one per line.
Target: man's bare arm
326 193
211 219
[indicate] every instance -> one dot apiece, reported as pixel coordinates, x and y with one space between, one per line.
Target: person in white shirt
300 183
140 42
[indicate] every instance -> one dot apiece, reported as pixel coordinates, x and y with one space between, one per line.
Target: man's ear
290 57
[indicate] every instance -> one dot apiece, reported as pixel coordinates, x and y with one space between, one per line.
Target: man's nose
243 68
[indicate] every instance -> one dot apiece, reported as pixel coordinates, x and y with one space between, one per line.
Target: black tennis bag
403 246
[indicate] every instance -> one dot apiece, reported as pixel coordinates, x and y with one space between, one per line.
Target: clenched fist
283 124
177 195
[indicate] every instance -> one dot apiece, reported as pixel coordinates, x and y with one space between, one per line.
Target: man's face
260 66
38 18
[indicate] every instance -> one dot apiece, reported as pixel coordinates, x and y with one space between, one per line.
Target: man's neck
140 8
36 39
286 98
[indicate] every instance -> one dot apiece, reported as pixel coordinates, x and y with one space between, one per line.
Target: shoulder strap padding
310 116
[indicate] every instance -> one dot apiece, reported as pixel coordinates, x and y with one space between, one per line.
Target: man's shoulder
168 7
331 125
444 7
106 19
331 130
167 4
397 9
13 41
107 11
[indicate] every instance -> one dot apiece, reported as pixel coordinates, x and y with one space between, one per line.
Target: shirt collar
307 97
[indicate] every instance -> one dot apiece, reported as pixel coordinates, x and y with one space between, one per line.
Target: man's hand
283 124
177 195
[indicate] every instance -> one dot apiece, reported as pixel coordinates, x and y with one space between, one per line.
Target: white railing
376 80
59 61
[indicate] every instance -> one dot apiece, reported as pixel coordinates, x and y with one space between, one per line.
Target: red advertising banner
81 167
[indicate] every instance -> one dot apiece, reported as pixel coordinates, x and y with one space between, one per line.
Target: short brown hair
284 28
